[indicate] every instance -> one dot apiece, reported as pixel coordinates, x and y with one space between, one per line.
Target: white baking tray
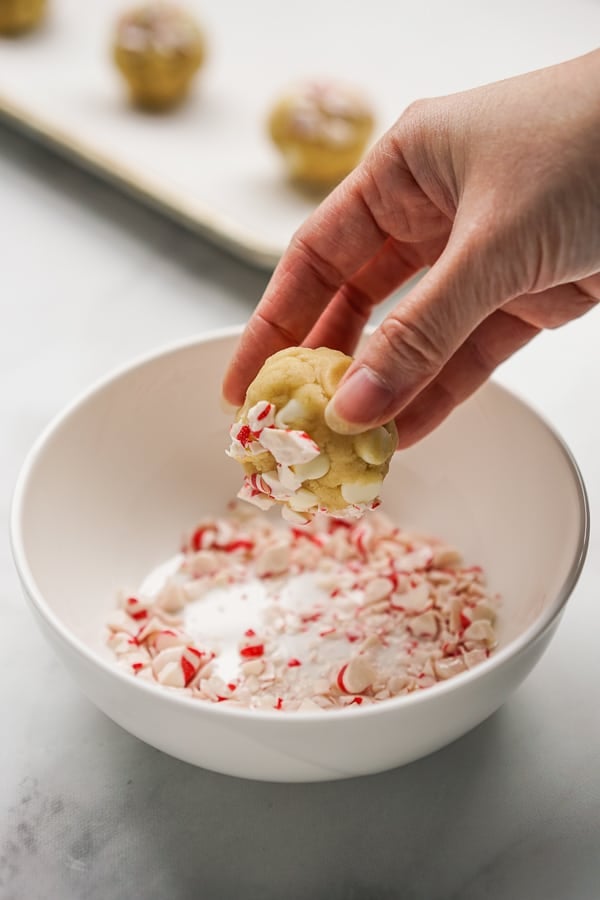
209 164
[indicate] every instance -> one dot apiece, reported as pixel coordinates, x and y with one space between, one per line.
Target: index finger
329 247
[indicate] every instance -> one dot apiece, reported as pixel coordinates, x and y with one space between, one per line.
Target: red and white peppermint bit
251 494
351 614
119 621
251 651
261 415
289 447
167 637
177 666
121 643
356 676
274 560
136 608
149 629
298 461
172 597
135 661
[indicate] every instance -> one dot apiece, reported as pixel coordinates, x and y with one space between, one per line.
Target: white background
87 812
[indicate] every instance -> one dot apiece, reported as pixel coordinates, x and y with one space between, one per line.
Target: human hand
498 191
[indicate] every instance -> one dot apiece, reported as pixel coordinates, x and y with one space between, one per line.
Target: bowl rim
535 631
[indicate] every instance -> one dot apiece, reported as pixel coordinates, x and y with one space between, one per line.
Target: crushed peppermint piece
252 650
298 462
352 613
289 447
356 676
261 415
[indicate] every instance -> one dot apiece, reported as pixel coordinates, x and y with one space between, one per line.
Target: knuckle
415 116
481 358
274 324
412 348
320 268
416 109
357 300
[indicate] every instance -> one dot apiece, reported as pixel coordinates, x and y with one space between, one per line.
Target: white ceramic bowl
110 486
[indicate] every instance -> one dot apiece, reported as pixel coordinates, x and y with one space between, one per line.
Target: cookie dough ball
291 456
158 47
322 130
20 15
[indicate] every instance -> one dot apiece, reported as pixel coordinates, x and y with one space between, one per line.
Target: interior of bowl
136 463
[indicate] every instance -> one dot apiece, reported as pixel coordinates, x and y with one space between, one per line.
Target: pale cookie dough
158 48
321 129
289 453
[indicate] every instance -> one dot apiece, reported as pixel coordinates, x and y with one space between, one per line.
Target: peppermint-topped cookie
290 455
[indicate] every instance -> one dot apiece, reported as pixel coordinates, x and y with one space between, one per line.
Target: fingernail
360 401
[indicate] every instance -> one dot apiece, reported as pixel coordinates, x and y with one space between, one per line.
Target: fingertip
362 401
338 424
231 396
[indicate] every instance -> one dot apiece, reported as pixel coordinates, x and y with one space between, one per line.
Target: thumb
417 339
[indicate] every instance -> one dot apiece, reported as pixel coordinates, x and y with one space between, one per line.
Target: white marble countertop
87 812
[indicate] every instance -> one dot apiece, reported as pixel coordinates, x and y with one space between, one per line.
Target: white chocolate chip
361 492
314 469
293 413
374 446
303 500
293 517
